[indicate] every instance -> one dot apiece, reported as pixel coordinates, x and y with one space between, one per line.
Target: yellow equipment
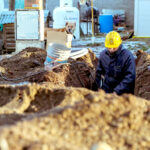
113 40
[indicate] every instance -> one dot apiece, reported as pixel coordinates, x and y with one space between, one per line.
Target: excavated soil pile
84 120
142 87
28 65
52 115
32 98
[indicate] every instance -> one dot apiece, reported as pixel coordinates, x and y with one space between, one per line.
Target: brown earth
142 87
28 66
82 120
53 114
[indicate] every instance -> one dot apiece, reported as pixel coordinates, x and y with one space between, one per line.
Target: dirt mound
24 62
142 87
18 96
33 98
28 65
50 114
96 118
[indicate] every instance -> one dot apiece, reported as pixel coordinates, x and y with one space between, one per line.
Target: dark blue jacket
118 71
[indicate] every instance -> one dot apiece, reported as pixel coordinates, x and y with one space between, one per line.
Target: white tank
62 15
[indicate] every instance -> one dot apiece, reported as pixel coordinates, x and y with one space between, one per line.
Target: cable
17 79
73 64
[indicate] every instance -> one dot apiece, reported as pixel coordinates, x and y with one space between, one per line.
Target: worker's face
112 50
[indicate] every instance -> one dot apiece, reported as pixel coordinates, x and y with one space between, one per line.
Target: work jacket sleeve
99 71
129 77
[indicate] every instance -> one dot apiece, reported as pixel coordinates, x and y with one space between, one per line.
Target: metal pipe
92 21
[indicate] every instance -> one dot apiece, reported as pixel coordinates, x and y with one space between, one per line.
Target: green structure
19 4
1 27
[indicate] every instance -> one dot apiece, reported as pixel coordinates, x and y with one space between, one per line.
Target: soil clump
142 86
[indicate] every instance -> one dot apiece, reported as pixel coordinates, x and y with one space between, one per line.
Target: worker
116 20
115 72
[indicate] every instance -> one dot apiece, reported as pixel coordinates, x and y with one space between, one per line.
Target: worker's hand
99 89
114 93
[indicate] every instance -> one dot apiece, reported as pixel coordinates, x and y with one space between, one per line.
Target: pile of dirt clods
28 66
50 110
41 118
142 87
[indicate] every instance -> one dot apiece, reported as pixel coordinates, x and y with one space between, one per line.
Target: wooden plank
10 41
10 32
10 36
9 28
10 44
11 48
9 25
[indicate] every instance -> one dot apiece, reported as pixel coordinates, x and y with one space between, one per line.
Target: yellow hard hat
113 40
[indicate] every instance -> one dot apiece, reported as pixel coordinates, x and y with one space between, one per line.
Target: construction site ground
57 110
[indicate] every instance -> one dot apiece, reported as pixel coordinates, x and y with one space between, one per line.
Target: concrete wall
127 5
51 5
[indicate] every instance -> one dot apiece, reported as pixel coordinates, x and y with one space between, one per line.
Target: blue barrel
106 23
